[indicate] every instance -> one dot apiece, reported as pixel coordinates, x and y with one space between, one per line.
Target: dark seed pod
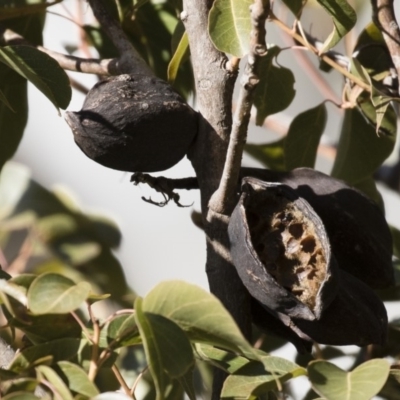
358 232
134 123
355 317
281 251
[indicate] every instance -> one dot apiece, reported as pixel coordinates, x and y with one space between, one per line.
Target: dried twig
165 186
384 17
223 199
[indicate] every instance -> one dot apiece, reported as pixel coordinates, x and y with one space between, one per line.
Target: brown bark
214 86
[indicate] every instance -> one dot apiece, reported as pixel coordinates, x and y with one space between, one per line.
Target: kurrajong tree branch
71 63
224 199
130 61
384 17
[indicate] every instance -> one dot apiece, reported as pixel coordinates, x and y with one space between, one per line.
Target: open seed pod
355 317
281 250
134 123
358 232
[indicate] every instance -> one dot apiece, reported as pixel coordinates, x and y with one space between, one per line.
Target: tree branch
67 62
384 17
224 199
130 61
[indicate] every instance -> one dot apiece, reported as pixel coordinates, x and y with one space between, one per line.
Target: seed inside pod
287 244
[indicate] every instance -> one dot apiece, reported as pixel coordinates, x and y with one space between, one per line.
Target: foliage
80 330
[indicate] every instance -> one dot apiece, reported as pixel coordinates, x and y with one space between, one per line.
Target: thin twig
323 56
130 60
93 368
384 17
223 199
71 63
137 381
121 380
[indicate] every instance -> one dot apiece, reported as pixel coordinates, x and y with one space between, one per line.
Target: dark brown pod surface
355 317
281 251
134 123
358 232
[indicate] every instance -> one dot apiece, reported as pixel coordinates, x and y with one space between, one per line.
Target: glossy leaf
255 379
179 56
369 188
13 117
77 379
4 100
344 19
57 384
54 293
123 331
271 155
229 26
362 383
41 70
302 140
59 350
360 151
225 360
198 313
167 348
275 90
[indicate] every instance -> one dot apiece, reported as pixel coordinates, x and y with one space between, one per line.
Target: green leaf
396 240
187 384
295 6
57 384
7 12
271 155
362 383
344 19
225 360
56 294
167 348
60 349
41 70
123 331
229 26
4 100
360 151
199 314
20 396
19 384
13 118
255 379
43 328
275 90
303 138
179 55
77 379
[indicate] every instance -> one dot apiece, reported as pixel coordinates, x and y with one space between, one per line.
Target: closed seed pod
358 232
281 250
134 123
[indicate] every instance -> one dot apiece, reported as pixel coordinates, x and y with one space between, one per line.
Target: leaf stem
323 56
224 199
121 380
93 367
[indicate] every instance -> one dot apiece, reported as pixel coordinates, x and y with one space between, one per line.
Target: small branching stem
121 380
384 17
323 56
223 200
93 367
